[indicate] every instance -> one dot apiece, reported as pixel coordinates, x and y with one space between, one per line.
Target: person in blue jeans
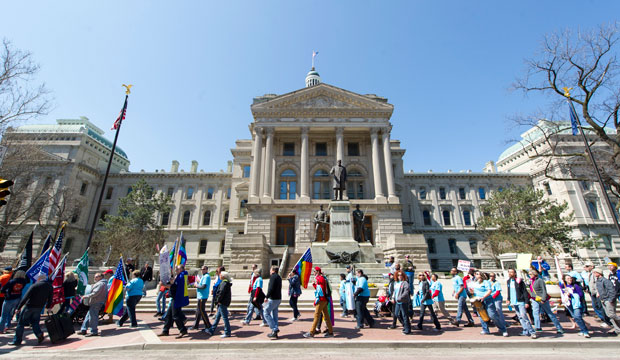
401 299
496 294
12 294
540 301
132 298
161 299
518 299
273 298
362 294
97 298
254 306
482 289
461 296
573 303
38 296
223 297
342 294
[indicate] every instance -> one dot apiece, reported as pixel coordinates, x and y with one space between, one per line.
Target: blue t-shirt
258 283
497 287
480 289
363 284
584 276
513 293
436 285
341 289
576 275
457 284
134 287
204 293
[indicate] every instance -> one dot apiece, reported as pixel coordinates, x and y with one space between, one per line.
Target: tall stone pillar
376 165
340 144
389 172
256 163
304 177
268 162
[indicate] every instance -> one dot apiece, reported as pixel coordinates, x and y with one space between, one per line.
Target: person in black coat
223 296
272 302
146 274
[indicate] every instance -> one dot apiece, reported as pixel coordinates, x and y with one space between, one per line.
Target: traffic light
4 190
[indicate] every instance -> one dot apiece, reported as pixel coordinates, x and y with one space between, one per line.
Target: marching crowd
526 296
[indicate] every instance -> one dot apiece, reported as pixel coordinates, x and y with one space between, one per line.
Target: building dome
312 78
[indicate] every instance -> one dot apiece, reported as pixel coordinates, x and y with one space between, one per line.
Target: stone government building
260 208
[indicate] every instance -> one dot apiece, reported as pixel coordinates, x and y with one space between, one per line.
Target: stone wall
414 245
245 250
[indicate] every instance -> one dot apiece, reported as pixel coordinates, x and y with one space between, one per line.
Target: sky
446 66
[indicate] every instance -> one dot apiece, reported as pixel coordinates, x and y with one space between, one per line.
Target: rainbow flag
303 268
172 252
182 256
114 304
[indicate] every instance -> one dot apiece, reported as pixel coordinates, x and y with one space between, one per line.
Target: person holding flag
294 292
96 299
132 298
37 297
178 299
322 298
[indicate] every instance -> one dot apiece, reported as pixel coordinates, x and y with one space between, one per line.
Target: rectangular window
228 193
422 193
446 218
434 264
593 210
548 188
210 193
83 188
467 217
203 247
452 245
462 193
170 191
246 171
585 185
607 242
165 219
190 193
320 149
442 193
288 149
430 243
353 149
482 194
108 194
473 246
129 190
426 215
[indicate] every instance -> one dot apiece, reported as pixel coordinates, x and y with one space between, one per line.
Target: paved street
144 342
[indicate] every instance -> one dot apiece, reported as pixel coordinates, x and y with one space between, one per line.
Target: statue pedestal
340 222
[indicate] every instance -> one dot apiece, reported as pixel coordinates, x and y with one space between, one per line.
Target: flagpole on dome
117 127
575 119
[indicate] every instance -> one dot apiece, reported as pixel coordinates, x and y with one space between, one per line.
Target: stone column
376 165
268 162
256 163
340 144
304 177
387 158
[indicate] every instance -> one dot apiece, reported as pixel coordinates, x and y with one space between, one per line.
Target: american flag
121 116
56 251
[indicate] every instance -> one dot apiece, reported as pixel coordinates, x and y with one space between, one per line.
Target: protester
362 295
482 289
179 298
4 279
349 289
161 299
273 298
294 292
108 275
132 298
518 299
129 266
608 296
582 284
572 302
539 300
69 286
409 270
96 300
223 297
146 274
257 290
614 275
202 296
496 294
322 294
591 280
12 292
39 295
401 298
439 302
391 265
253 277
460 294
215 285
390 295
426 301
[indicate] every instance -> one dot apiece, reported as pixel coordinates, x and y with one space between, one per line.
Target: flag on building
46 244
182 254
573 119
58 277
26 260
114 303
173 252
81 271
121 116
40 267
56 250
303 268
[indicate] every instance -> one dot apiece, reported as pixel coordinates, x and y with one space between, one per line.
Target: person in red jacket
322 294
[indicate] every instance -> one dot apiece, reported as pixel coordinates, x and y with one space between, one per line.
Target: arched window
288 185
206 218
321 188
427 217
355 185
226 217
186 216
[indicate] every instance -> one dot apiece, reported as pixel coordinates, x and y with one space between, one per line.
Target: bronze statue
339 180
358 224
320 223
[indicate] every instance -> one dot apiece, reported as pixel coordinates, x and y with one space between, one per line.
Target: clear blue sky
445 65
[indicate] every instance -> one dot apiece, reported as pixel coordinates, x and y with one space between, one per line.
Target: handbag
260 298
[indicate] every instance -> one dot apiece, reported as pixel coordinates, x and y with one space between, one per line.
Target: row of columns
260 170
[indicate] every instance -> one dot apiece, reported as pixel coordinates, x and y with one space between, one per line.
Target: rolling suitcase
59 327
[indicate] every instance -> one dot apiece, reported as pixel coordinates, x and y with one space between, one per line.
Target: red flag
57 279
121 116
56 251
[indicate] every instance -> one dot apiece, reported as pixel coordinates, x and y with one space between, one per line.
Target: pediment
321 100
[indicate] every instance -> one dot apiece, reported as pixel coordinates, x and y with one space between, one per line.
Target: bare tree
586 62
20 98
